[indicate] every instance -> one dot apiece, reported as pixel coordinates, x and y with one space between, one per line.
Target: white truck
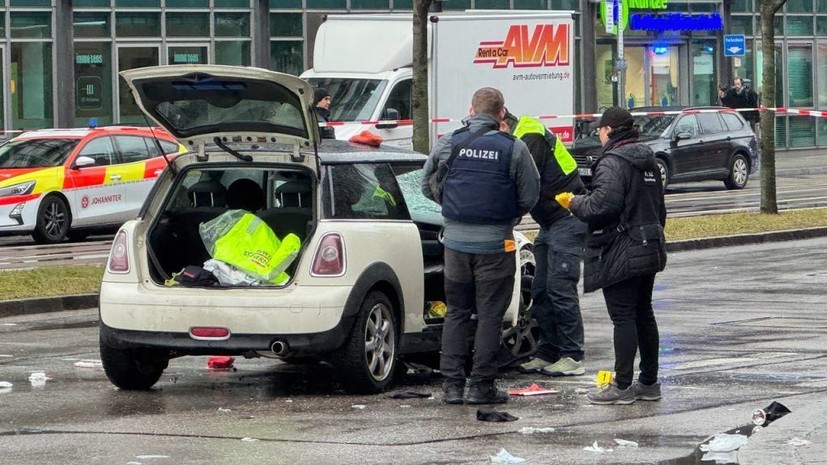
365 63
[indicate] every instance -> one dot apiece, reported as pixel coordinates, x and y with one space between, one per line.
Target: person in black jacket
321 104
625 248
741 95
558 251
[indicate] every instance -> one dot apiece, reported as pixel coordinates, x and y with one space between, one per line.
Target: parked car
361 291
692 144
59 183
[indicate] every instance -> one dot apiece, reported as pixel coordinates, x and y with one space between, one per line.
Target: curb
746 239
47 304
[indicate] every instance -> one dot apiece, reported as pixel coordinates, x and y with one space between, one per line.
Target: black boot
485 393
453 393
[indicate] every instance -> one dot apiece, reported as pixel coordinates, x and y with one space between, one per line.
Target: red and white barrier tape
404 122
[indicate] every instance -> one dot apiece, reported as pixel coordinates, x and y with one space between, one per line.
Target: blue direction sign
734 45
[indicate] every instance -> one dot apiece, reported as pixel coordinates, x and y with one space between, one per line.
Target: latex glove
564 199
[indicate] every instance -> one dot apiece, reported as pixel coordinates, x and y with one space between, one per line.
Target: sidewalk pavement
772 445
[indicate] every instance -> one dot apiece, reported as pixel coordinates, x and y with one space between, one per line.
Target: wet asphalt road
740 327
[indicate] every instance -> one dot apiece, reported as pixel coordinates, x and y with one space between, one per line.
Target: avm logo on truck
547 45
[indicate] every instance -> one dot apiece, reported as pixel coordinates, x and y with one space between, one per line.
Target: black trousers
480 284
630 307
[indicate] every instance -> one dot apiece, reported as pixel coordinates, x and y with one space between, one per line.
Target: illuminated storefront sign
676 22
623 16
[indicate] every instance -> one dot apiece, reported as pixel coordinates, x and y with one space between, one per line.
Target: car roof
80 133
332 151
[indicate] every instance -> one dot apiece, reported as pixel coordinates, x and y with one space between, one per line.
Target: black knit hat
616 117
319 93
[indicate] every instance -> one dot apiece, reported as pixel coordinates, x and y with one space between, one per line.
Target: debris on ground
220 362
596 448
723 448
503 456
532 430
625 443
533 390
493 415
798 442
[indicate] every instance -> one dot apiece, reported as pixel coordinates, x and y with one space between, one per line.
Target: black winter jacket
625 212
552 179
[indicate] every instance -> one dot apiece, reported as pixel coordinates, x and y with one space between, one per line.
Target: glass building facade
57 51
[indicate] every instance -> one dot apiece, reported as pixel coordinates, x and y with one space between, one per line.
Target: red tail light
118 256
330 257
209 332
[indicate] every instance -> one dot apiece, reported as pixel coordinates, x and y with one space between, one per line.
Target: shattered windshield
653 125
36 153
351 99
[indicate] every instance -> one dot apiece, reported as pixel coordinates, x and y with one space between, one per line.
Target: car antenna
160 148
231 151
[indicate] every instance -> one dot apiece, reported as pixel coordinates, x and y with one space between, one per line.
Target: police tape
589 116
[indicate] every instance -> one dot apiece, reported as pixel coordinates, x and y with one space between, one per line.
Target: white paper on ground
504 457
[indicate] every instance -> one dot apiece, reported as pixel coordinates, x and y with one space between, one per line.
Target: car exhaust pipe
280 348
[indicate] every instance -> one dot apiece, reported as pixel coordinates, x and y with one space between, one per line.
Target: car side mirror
80 162
683 135
392 116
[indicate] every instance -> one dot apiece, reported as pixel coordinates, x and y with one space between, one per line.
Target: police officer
558 251
485 181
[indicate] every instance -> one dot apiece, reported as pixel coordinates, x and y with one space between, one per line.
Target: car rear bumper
179 344
151 309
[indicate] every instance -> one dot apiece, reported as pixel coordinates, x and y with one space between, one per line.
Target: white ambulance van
365 62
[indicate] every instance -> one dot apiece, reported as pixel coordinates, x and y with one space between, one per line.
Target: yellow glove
564 199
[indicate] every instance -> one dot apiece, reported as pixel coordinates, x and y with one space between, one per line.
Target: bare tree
769 201
421 138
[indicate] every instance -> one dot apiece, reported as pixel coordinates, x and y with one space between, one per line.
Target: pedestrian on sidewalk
558 252
741 95
485 181
625 212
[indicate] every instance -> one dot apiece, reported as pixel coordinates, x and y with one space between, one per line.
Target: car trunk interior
281 197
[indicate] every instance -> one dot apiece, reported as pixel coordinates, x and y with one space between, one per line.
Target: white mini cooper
370 265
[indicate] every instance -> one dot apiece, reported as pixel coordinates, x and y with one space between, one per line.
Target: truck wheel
738 173
367 362
127 371
52 223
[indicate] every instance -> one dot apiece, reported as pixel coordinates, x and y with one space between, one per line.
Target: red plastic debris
367 138
533 390
220 362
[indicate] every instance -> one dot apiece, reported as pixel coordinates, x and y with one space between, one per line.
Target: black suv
691 144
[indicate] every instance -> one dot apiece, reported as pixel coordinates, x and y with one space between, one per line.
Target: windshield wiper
232 152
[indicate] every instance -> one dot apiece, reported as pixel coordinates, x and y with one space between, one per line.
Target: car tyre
129 372
664 171
738 173
52 224
367 362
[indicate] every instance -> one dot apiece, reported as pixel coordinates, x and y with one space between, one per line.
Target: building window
799 25
232 4
236 52
91 25
30 3
799 6
31 85
802 131
138 25
822 6
491 4
91 4
741 25
187 3
369 4
287 56
743 6
30 25
286 25
285 4
402 4
800 75
457 5
232 24
93 82
325 4
188 24
529 4
137 3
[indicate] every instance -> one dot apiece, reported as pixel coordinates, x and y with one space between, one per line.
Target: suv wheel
52 222
127 371
367 362
738 173
664 171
